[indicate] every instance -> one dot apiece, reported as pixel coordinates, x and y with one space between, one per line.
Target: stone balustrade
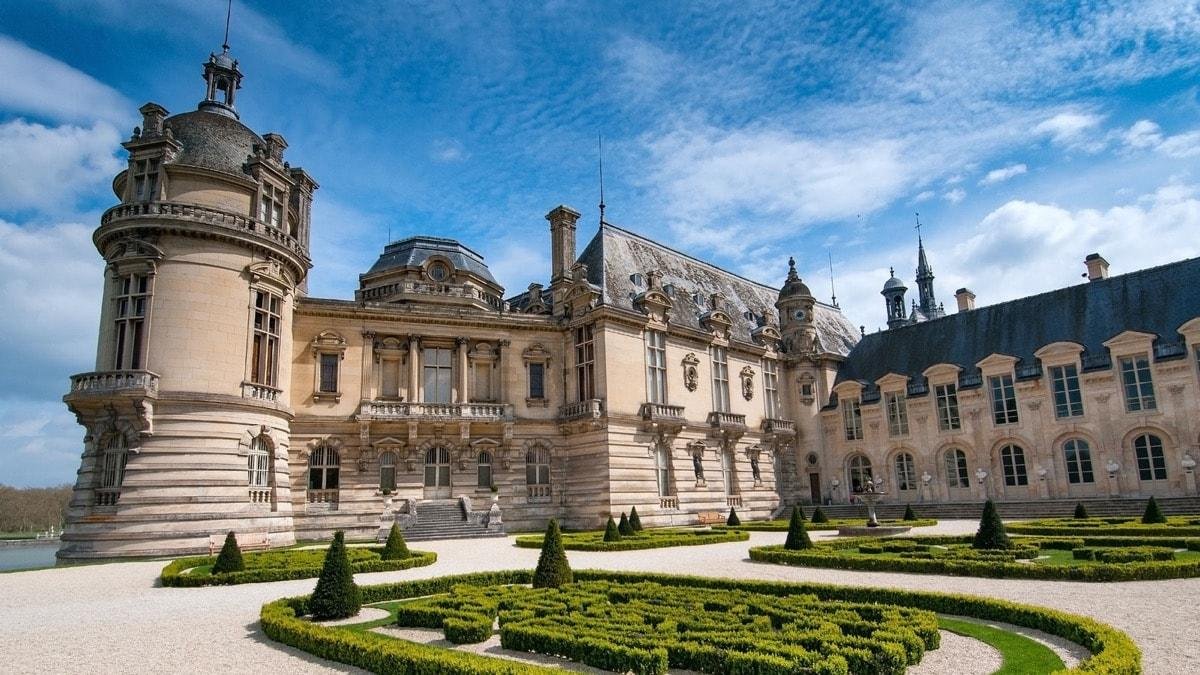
322 496
401 410
778 427
205 215
107 496
733 500
671 502
539 493
727 421
592 408
388 291
260 496
261 392
141 382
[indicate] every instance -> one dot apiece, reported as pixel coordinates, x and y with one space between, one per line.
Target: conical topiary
230 557
552 568
909 514
1080 512
624 527
395 548
336 595
1153 514
634 521
611 533
797 538
733 520
801 510
991 533
819 516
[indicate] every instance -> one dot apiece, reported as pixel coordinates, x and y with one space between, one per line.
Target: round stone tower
187 414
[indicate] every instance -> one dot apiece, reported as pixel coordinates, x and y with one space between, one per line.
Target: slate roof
614 256
212 141
1156 300
414 251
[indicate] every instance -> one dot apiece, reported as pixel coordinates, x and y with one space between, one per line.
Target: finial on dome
891 271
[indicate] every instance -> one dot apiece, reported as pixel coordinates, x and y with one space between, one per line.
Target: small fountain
870 495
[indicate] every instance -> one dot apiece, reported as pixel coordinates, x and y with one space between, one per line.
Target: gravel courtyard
113 619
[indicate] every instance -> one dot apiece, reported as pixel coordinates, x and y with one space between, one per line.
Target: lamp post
982 475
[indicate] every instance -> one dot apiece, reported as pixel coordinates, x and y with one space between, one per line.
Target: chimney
966 299
1097 267
562 241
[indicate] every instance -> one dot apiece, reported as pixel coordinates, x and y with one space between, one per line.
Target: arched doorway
437 473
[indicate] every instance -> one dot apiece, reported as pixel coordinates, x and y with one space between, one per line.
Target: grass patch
782 525
1022 655
284 564
1176 526
656 538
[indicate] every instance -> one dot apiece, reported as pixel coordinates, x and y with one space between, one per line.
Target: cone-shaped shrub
819 516
733 520
552 568
797 538
336 595
395 548
1080 511
624 527
991 533
611 533
230 557
1153 514
909 514
801 510
634 521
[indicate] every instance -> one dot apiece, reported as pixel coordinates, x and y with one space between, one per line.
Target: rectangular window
329 373
897 412
264 361
1004 399
270 205
437 374
656 367
1014 467
585 364
390 376
133 301
720 377
771 387
537 380
145 180
259 469
1067 400
852 419
1137 383
947 407
727 477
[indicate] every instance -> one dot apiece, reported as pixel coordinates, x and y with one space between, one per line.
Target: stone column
414 369
370 385
500 380
460 375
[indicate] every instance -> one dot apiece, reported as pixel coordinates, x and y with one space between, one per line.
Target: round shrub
230 558
395 548
611 533
553 570
336 595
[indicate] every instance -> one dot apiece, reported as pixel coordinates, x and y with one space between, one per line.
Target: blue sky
1026 136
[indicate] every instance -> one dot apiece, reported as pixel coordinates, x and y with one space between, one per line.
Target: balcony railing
107 496
1029 372
725 420
733 500
1165 351
260 496
778 427
1100 361
668 502
393 410
592 408
668 418
469 291
201 214
115 382
539 494
261 392
322 496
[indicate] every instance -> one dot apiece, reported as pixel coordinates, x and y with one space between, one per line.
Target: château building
225 398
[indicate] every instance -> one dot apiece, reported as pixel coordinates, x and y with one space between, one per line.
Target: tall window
270 205
585 363
956 469
1137 383
115 457
1067 400
720 380
537 380
852 418
324 464
728 483
897 412
947 407
484 476
662 471
145 180
1004 399
860 473
906 473
387 472
1078 457
133 299
1012 459
437 374
264 362
258 463
537 466
329 372
771 387
1152 464
656 366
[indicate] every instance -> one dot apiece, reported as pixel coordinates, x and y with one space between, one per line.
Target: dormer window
852 418
270 205
145 180
439 272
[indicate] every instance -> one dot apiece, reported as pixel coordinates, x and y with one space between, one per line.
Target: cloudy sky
742 133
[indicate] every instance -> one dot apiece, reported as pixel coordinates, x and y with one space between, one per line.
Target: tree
991 534
230 557
611 533
553 570
336 595
1080 512
909 514
819 516
624 527
1153 514
634 521
801 510
395 548
733 520
797 537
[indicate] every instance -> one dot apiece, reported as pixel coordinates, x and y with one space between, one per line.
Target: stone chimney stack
562 241
1097 267
966 299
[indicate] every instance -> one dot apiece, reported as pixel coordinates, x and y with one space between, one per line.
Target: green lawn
593 540
781 525
1022 655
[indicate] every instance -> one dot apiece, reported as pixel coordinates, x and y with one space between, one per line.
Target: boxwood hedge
594 541
286 565
1176 526
782 525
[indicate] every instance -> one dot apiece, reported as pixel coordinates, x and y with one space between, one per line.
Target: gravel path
113 619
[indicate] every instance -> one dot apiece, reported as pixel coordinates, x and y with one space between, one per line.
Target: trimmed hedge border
825 555
644 540
1113 652
172 574
1102 527
782 525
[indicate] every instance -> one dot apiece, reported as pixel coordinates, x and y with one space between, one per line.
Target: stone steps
1016 510
444 519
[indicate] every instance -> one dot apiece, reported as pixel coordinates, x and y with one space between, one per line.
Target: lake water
27 557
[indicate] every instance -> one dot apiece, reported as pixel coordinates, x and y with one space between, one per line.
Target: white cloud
923 196
1066 128
42 442
448 150
1146 135
1000 175
1143 134
1181 146
48 168
515 265
36 84
955 196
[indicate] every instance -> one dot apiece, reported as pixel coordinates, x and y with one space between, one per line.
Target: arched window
1012 459
906 473
485 469
1078 456
258 463
1152 464
115 457
662 471
323 468
956 469
860 473
537 466
387 472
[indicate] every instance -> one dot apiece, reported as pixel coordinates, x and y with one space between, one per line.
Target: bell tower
795 307
893 298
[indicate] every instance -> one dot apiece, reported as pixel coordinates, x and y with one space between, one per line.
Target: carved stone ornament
747 383
691 373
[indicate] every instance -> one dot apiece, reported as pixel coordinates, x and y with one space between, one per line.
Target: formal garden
628 535
818 521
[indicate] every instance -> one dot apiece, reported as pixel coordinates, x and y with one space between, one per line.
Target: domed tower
893 297
187 414
795 305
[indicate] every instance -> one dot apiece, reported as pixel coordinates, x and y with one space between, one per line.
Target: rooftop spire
832 290
928 305
600 144
228 13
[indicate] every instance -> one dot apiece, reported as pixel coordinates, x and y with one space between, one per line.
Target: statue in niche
698 465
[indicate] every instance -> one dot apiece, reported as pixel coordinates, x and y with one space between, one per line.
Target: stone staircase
1015 510
444 519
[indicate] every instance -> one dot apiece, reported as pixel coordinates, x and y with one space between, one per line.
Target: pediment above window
271 271
1129 342
997 363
